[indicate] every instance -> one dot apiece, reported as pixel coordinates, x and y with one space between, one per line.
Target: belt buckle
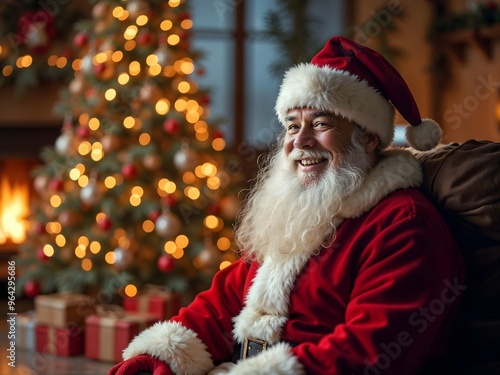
252 347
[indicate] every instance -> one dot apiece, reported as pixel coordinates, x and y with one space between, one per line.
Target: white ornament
63 143
208 257
90 194
122 257
164 56
87 64
185 159
40 183
37 35
168 224
137 8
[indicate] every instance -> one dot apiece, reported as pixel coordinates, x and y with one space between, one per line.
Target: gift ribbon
151 290
109 316
61 300
110 311
51 340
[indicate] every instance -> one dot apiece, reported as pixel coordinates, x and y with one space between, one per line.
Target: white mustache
313 154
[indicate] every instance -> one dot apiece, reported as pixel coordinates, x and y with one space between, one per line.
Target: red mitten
139 363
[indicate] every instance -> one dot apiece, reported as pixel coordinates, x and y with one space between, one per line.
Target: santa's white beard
283 214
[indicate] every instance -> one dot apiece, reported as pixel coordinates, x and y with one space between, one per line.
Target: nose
304 139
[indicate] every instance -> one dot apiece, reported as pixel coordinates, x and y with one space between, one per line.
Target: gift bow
110 311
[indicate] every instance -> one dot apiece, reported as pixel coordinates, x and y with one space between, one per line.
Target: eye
292 129
323 125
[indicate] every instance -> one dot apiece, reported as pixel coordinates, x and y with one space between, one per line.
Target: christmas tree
138 186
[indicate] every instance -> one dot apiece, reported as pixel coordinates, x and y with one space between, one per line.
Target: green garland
480 15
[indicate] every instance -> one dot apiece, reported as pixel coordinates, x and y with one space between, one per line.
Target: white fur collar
398 169
266 304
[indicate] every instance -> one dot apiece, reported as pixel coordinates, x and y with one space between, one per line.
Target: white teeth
310 161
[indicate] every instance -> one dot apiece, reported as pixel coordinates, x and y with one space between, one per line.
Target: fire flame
14 207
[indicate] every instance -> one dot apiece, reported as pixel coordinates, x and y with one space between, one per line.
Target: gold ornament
76 86
40 183
150 93
229 206
209 257
70 218
152 162
110 142
101 10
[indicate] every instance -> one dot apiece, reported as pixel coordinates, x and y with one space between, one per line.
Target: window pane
217 62
261 86
213 14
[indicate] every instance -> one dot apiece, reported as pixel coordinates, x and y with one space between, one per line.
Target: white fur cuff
174 344
277 360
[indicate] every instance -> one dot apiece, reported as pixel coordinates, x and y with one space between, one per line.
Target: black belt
250 348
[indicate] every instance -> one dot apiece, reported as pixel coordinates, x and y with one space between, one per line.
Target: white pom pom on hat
358 83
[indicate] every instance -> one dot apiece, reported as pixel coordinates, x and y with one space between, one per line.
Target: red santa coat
378 300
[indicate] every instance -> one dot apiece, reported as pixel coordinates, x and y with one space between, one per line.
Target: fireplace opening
15 195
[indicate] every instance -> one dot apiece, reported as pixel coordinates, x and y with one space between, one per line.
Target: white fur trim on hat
174 344
424 136
339 92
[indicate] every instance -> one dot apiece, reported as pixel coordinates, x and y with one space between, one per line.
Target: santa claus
346 267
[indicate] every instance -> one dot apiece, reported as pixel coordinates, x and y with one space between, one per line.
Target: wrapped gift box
154 300
65 342
25 331
109 333
61 310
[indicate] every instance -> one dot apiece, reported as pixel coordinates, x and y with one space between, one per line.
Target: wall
461 95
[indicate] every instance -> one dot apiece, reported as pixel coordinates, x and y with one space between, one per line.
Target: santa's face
315 140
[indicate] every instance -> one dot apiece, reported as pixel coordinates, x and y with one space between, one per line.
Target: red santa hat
359 84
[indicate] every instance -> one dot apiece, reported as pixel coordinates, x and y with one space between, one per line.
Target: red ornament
214 209
166 263
67 53
200 71
169 201
56 184
153 215
144 39
217 134
81 40
184 16
83 132
105 224
40 228
129 171
492 5
99 69
205 100
171 126
41 255
31 289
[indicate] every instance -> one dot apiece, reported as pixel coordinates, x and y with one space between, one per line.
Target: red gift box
108 334
64 342
154 300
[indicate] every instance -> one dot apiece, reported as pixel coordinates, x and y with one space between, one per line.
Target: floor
33 363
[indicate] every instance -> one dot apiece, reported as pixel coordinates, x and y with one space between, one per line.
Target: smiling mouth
307 162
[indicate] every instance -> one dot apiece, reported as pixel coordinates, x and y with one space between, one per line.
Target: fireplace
27 124
20 147
15 194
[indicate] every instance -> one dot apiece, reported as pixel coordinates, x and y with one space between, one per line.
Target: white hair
282 214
